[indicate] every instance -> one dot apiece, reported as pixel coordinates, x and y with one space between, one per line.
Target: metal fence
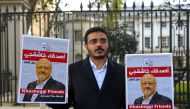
157 30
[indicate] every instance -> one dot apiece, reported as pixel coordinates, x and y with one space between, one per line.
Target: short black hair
94 29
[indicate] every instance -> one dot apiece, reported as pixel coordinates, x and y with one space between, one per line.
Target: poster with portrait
43 70
149 81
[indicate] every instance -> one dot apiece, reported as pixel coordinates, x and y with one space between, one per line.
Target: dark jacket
156 99
50 84
84 92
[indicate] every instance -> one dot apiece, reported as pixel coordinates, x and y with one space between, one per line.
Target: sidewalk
31 106
19 107
26 106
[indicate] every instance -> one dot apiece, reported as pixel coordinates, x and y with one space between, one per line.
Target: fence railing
156 30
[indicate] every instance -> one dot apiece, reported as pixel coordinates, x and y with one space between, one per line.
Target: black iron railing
156 30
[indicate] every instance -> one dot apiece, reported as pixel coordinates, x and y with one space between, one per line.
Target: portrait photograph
149 81
43 70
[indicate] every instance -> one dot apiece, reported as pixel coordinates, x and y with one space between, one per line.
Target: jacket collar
88 74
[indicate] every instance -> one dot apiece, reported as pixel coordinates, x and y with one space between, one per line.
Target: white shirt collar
95 67
99 74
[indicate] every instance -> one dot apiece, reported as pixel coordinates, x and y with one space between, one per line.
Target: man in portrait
150 94
45 82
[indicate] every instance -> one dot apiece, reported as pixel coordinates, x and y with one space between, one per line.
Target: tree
114 4
43 19
121 43
112 7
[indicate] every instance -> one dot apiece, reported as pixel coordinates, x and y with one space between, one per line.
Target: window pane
164 41
163 24
180 41
147 24
147 42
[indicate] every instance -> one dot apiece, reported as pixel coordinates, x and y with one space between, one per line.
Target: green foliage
179 61
181 87
111 16
121 42
114 4
181 92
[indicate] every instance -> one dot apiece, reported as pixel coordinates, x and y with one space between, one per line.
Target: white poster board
157 66
55 52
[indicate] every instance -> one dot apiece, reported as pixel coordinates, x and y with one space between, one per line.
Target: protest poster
43 70
149 81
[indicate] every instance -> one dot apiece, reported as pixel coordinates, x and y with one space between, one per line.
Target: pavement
26 106
32 106
22 106
19 107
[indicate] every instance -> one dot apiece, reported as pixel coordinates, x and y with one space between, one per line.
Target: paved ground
31 106
19 107
28 107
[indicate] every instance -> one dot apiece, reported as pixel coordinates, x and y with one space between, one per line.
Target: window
147 42
163 24
77 35
164 41
147 24
180 40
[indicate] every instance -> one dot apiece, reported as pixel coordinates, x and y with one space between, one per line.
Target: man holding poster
44 82
96 82
151 96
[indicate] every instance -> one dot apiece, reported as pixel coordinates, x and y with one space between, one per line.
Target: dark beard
99 57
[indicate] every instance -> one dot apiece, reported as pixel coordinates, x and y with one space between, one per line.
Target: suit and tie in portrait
150 94
156 99
51 84
55 90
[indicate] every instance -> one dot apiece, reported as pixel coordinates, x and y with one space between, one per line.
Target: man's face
148 85
97 45
43 69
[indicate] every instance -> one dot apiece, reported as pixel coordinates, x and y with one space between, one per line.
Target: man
45 82
151 96
96 82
